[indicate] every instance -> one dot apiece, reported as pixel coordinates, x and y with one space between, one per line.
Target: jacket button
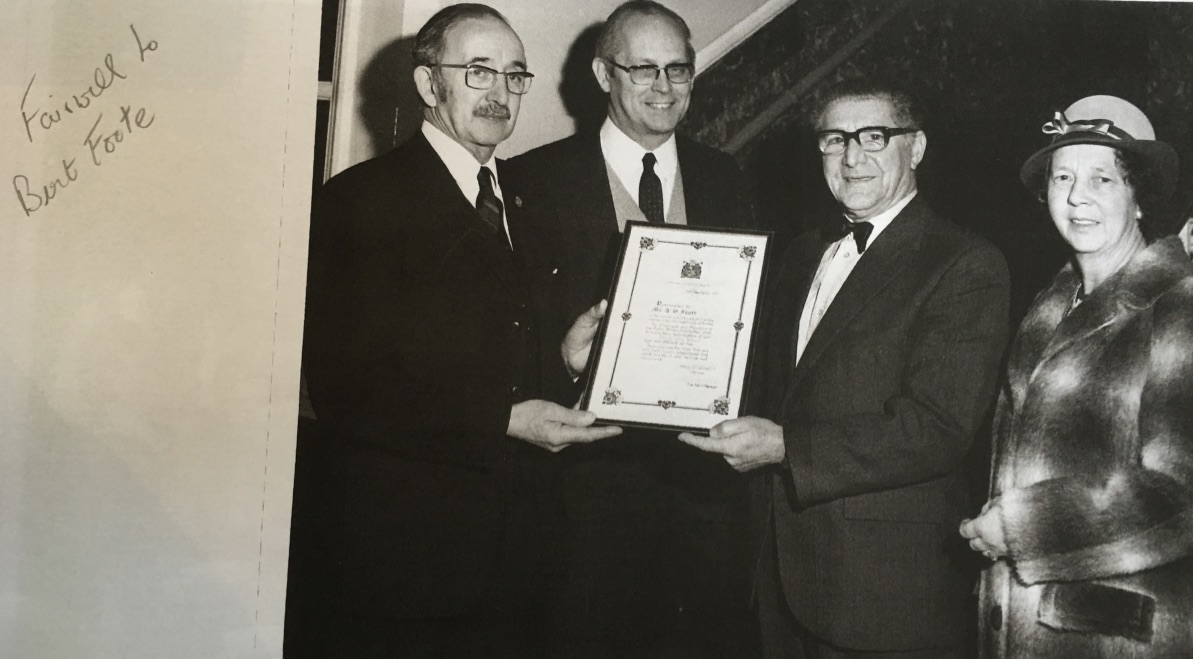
516 325
996 617
516 391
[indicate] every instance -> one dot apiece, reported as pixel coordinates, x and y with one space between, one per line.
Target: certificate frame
674 349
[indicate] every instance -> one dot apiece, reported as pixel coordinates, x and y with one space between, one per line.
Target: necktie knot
650 191
861 233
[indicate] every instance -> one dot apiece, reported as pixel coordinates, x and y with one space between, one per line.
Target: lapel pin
518 201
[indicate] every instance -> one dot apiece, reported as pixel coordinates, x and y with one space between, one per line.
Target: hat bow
1060 125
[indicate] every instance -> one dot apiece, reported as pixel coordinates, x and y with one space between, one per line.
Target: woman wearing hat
1090 522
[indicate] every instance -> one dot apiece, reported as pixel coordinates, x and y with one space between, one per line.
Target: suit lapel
805 262
1099 311
530 230
592 194
882 262
1038 328
447 206
698 188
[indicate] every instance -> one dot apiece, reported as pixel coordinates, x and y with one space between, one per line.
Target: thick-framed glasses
870 138
646 74
482 77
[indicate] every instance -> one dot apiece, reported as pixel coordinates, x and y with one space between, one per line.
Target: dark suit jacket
422 331
877 419
572 173
656 529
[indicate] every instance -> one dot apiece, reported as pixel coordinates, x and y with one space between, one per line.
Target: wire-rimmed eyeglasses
645 74
482 77
870 138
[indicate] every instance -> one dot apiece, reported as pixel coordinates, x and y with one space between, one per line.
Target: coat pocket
1096 608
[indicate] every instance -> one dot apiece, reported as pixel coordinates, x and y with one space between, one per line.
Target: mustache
492 110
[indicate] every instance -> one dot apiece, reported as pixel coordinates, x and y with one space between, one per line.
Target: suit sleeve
1139 517
945 389
375 377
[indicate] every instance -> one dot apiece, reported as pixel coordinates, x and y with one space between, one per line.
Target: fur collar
1046 330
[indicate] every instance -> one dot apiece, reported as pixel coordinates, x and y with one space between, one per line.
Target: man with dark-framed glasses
656 551
877 366
870 138
432 352
481 77
648 74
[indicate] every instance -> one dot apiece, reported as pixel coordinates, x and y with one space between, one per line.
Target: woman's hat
1110 121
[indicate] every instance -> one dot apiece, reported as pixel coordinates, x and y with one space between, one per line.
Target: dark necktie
860 230
650 191
487 203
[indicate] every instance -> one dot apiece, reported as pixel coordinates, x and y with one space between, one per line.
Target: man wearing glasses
431 344
878 365
655 561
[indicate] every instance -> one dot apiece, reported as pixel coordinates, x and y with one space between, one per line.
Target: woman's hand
985 533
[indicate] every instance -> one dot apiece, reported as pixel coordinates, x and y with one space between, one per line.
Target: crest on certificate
691 269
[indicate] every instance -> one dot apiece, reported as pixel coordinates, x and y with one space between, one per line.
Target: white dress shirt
624 156
464 168
836 264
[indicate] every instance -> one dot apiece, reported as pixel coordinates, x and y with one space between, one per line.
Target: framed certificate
674 346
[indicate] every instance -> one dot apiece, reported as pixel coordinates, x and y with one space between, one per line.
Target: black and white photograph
759 329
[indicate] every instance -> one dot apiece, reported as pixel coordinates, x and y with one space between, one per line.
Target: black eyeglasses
870 138
646 74
482 77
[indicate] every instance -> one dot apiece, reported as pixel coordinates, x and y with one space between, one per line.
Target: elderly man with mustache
432 355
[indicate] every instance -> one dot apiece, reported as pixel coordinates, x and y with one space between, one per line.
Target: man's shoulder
694 151
714 174
945 232
938 238
572 163
953 250
562 150
409 157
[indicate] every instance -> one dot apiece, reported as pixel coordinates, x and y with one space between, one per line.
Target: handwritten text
41 116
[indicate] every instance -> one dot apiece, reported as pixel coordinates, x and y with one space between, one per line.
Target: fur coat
1093 465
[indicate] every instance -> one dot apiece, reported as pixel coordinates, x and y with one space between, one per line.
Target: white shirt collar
460 163
624 156
884 219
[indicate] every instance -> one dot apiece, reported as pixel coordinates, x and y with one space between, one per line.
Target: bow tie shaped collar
861 233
